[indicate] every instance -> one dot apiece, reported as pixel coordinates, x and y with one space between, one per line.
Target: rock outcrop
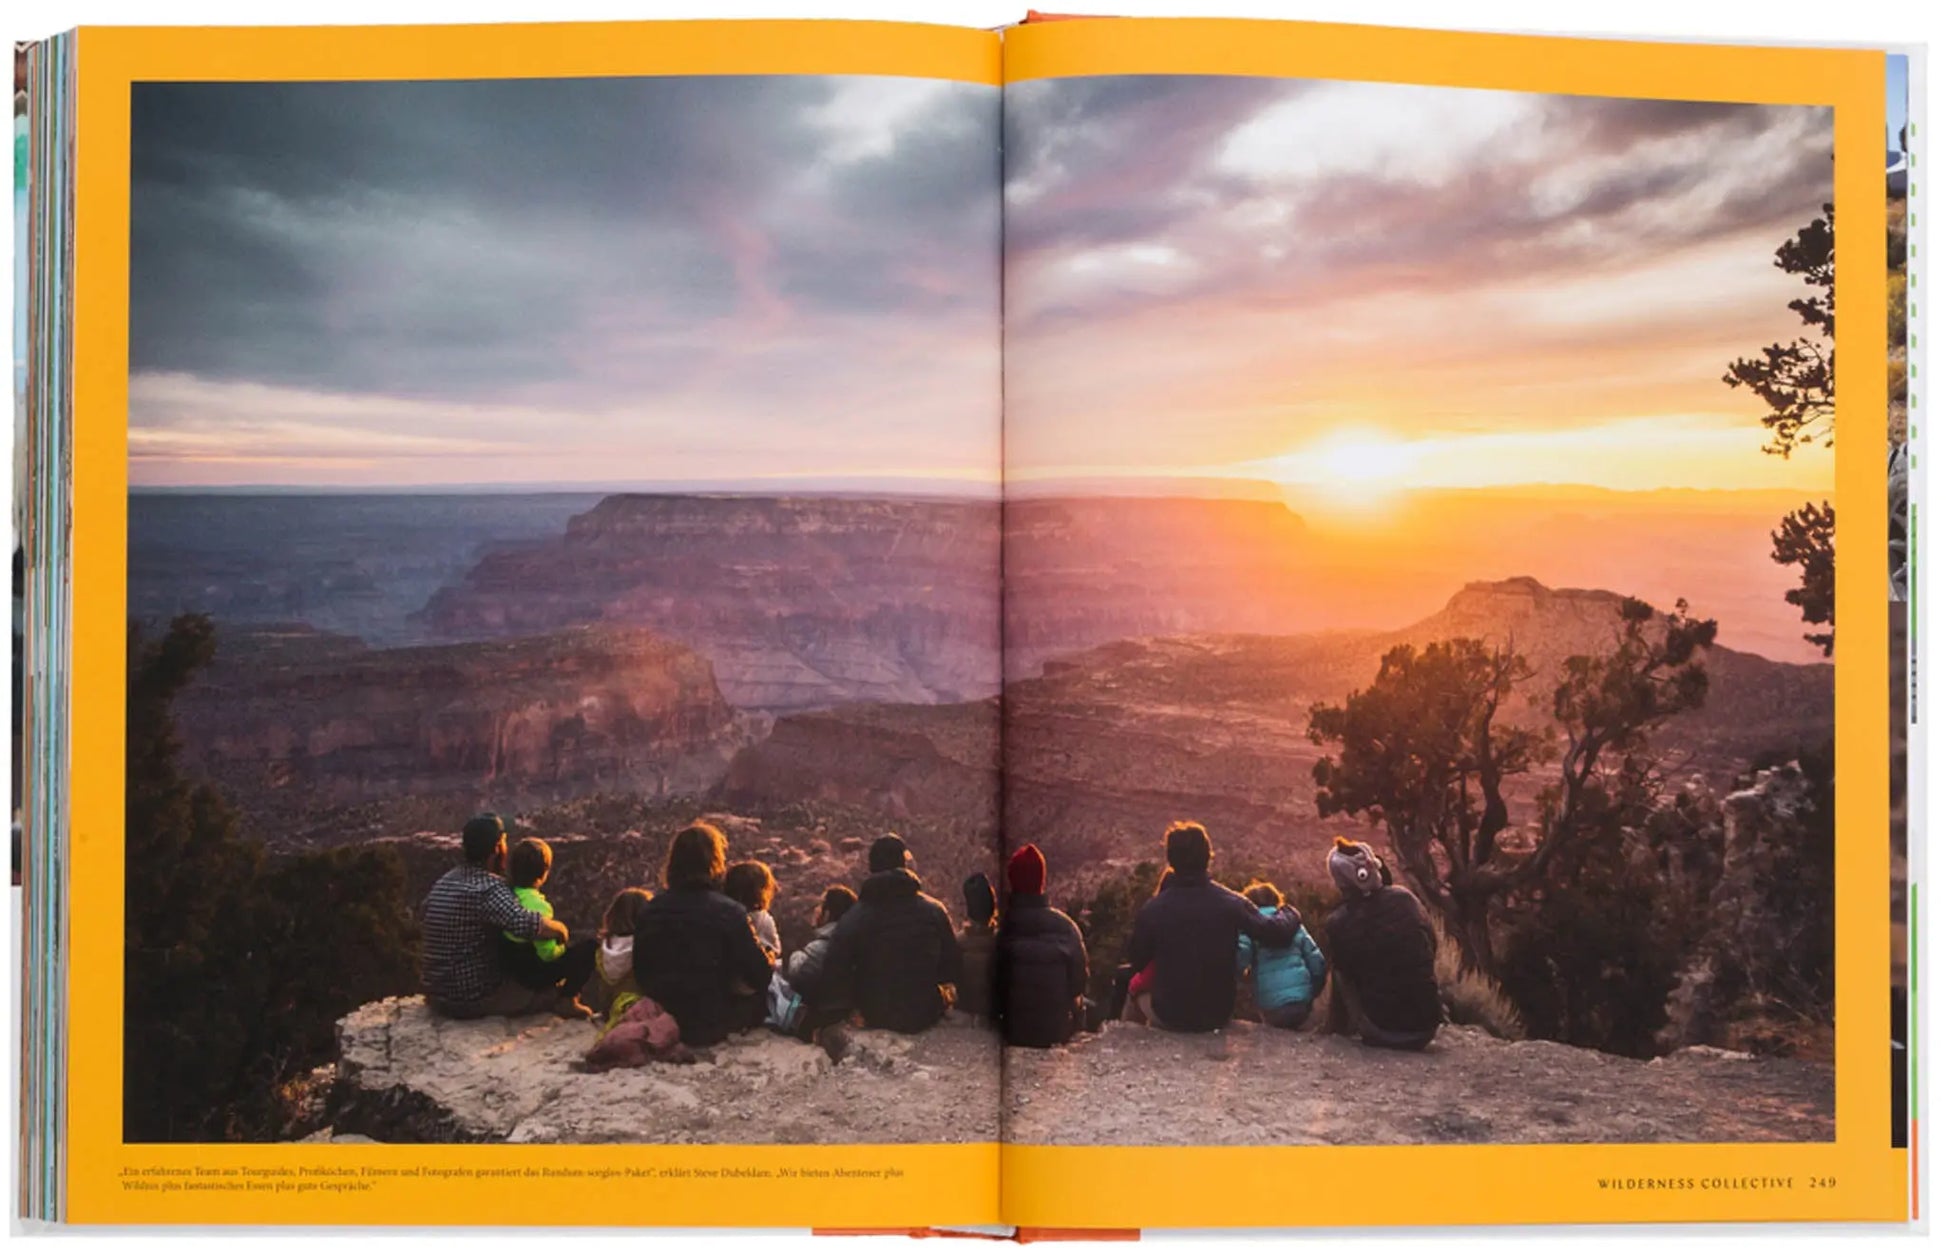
1763 969
292 721
1254 1086
897 761
406 1076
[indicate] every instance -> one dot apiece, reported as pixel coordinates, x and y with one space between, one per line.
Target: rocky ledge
1257 1086
404 1075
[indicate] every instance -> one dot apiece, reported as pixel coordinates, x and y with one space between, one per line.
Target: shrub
236 967
1105 919
1470 996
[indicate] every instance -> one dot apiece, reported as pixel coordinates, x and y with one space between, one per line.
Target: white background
1883 23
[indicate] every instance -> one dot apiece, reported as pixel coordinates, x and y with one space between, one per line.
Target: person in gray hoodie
805 968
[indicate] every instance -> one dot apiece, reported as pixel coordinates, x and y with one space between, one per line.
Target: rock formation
1762 971
797 601
405 1076
897 761
353 563
293 720
1257 1086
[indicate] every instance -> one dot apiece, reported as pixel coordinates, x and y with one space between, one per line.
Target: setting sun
1359 470
1365 458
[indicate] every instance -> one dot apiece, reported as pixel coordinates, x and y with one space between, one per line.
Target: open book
882 626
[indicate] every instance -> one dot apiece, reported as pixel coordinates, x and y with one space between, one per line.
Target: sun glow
1366 459
1358 470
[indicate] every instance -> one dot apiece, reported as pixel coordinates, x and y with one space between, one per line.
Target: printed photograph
541 493
1419 612
602 667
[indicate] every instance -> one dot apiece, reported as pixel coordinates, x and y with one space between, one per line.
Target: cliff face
293 720
797 601
901 762
404 1076
352 563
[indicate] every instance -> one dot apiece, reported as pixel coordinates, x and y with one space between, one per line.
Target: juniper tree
1796 381
236 965
1426 752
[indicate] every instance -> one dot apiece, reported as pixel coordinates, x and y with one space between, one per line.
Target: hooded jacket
693 946
891 955
1043 973
1382 945
805 968
1283 977
1189 931
613 987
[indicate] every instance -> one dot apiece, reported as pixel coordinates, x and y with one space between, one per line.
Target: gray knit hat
1354 868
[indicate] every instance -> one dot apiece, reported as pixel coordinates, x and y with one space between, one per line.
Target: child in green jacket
527 867
547 963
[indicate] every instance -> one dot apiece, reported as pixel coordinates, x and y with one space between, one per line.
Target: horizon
1172 485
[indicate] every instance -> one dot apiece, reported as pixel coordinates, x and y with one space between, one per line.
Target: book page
1424 707
559 474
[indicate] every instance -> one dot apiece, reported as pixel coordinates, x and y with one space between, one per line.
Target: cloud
1260 257
577 248
1286 187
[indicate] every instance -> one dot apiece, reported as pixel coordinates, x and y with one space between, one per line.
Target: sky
564 282
1374 286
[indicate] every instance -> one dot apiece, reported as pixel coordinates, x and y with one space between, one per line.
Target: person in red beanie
1043 971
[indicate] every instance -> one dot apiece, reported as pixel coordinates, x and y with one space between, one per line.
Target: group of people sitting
700 958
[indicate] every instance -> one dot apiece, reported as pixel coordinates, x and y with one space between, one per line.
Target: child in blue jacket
1288 980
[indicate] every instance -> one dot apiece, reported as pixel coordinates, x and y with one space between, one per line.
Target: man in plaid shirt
465 914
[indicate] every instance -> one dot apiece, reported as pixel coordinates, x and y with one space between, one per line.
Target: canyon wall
798 602
295 720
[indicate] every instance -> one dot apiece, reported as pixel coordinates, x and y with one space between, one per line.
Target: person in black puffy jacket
1043 963
694 951
1189 930
1383 986
894 959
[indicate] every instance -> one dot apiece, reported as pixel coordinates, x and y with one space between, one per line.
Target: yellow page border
937 1184
1446 1185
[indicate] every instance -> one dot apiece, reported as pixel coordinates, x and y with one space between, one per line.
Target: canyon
1107 747
830 666
798 602
292 723
355 564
